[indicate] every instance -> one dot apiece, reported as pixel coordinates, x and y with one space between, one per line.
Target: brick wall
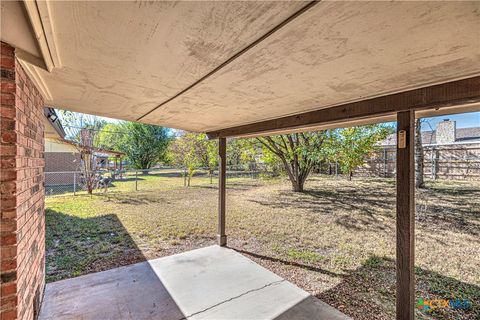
59 167
62 161
22 192
445 132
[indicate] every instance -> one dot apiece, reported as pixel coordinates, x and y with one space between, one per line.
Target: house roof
53 126
463 135
205 66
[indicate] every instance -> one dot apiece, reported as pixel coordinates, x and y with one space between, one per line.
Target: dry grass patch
336 240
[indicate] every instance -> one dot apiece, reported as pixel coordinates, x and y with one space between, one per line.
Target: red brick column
22 229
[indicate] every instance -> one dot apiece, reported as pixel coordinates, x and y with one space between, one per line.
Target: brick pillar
22 233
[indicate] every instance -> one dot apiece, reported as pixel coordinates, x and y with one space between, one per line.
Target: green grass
306 256
336 240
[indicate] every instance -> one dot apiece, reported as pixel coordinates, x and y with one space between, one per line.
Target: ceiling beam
448 94
236 55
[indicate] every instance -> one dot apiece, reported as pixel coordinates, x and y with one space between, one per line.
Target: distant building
449 153
59 155
446 133
62 155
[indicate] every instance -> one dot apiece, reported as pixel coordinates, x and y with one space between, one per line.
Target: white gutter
39 15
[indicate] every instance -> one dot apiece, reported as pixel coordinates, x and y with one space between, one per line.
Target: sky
464 120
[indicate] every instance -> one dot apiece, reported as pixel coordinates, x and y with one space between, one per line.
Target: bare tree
82 130
419 156
88 163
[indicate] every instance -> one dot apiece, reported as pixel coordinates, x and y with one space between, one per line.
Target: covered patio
208 283
228 69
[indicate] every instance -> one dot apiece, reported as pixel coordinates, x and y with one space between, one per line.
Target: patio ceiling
206 66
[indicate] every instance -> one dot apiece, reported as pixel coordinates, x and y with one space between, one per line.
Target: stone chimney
446 132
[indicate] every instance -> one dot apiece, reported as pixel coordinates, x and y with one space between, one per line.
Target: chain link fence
74 182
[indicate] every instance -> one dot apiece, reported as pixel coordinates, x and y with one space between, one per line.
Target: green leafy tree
144 144
242 151
211 158
187 150
111 137
298 152
206 151
351 146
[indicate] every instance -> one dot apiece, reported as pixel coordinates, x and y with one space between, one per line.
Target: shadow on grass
137 198
175 174
230 186
370 205
289 263
370 290
364 209
77 246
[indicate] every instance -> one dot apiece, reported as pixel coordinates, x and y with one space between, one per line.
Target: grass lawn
336 240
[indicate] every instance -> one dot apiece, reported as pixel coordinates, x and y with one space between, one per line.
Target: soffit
123 59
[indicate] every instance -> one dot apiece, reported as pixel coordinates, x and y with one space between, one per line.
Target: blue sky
464 120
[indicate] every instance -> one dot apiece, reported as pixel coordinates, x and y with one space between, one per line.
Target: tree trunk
297 186
297 172
419 156
350 176
184 177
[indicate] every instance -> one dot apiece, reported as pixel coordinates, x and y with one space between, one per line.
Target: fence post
74 183
336 169
434 165
431 164
385 162
136 180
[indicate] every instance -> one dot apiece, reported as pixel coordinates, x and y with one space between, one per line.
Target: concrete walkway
208 283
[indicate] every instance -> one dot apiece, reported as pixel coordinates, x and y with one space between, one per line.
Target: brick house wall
59 167
22 238
62 161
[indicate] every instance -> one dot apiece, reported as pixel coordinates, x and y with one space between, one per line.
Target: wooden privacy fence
455 162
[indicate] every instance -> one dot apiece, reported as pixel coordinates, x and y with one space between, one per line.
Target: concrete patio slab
207 283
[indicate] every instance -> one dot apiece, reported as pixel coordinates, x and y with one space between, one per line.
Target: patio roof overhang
251 68
211 66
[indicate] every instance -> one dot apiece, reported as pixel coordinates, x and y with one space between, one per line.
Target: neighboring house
59 155
62 156
446 133
449 153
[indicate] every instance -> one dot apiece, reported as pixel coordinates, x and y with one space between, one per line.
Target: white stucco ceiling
123 59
